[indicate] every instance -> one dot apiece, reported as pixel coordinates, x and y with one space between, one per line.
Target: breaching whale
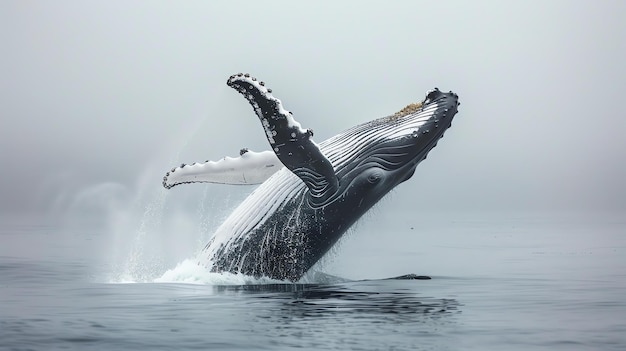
310 193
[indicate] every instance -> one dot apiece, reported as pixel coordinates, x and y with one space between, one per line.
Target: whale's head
372 158
414 131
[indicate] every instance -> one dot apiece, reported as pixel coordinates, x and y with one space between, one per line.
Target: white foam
188 271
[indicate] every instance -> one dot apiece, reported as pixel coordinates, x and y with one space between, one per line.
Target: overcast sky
118 92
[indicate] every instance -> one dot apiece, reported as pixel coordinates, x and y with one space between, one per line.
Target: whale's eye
374 177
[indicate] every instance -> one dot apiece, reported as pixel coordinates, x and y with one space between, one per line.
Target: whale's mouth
408 150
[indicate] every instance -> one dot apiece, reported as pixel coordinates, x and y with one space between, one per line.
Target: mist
99 99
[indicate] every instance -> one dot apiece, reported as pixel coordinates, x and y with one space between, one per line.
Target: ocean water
500 281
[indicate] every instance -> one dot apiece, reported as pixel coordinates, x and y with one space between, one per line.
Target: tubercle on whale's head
439 107
444 107
436 95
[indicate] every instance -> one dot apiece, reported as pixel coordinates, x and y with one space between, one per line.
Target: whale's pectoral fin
291 143
249 168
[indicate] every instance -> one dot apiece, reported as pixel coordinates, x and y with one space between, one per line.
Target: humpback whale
309 193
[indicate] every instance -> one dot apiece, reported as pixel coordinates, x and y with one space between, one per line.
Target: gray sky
114 93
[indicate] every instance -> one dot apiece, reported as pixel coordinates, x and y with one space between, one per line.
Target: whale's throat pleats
292 144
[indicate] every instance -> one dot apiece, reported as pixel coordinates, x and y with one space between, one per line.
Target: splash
155 234
138 231
188 271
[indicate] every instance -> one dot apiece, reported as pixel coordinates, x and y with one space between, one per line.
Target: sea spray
188 271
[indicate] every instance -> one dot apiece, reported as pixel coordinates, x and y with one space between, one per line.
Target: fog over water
99 99
518 214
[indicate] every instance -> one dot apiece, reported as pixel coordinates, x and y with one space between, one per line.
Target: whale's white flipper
249 168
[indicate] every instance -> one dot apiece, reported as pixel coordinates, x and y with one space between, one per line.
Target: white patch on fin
250 168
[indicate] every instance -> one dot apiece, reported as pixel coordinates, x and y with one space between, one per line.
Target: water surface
500 281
